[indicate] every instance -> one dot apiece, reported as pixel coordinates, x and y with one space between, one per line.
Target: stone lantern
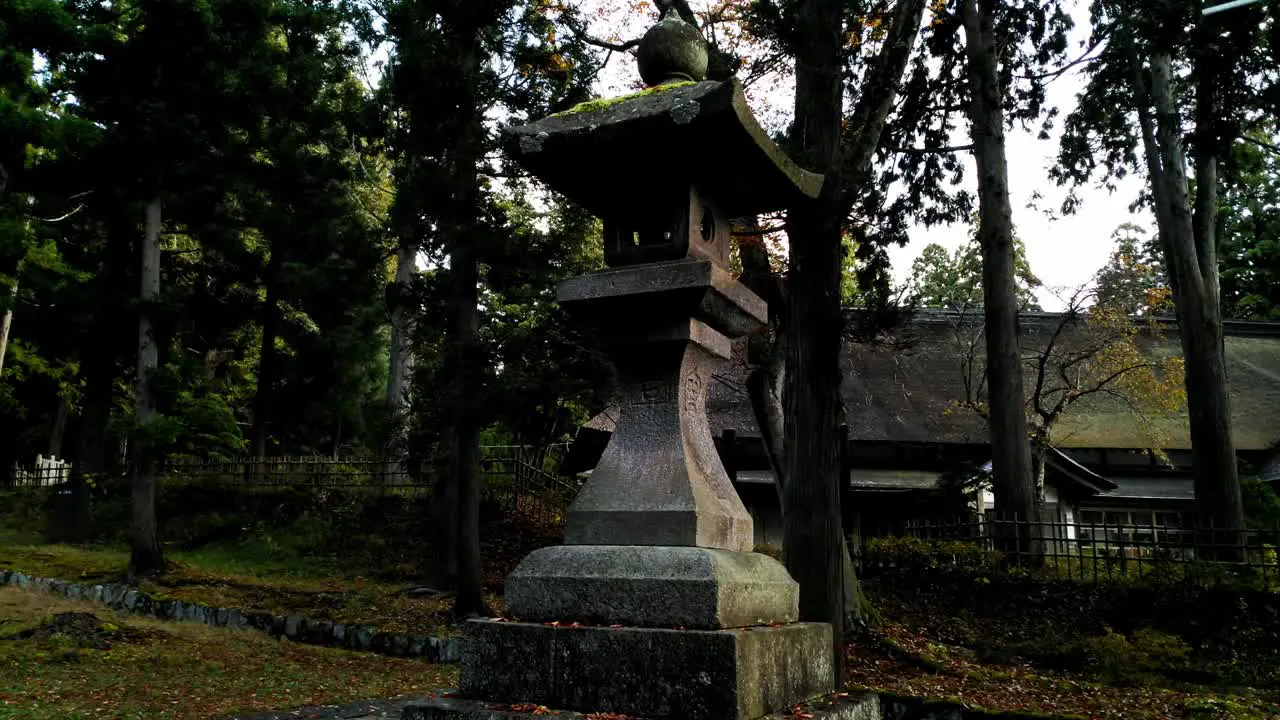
656 606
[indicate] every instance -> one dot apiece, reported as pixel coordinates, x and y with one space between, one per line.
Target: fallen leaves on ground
177 670
896 660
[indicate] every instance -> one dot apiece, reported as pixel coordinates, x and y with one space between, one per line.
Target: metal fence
522 479
529 465
42 472
297 472
1098 552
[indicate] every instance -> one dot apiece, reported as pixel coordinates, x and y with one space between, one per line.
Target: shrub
918 554
1261 503
24 509
1136 659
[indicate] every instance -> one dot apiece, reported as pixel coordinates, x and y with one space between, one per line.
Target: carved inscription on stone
653 392
693 391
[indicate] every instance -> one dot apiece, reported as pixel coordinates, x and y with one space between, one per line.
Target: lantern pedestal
649 672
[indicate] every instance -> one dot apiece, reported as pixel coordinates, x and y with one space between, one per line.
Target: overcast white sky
1064 252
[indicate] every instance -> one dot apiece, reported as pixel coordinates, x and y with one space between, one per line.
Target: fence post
1124 555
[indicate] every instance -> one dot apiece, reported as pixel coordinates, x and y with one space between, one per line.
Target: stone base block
864 707
739 674
648 586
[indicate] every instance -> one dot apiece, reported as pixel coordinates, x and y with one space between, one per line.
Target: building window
1117 527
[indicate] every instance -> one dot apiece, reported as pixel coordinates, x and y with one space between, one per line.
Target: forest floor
346 560
69 659
926 645
222 579
903 661
894 658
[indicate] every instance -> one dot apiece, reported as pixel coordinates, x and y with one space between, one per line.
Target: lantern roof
617 157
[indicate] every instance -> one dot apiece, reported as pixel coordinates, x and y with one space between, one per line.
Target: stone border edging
842 706
363 638
900 707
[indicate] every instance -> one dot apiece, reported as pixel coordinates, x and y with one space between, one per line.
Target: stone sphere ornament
672 51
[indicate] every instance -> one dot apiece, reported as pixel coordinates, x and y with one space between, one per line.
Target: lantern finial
672 51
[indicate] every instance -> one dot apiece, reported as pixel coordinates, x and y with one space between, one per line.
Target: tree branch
1042 365
759 232
878 97
1260 143
1113 377
615 47
64 217
1084 58
933 151
581 33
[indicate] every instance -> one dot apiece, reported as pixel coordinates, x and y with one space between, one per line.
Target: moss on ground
224 580
127 667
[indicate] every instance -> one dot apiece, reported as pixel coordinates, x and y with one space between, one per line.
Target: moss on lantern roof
684 133
602 103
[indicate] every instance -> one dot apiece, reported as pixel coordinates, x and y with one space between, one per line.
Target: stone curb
363 638
841 706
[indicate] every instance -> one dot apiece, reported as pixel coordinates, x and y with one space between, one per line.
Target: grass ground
65 659
296 562
153 660
322 556
221 578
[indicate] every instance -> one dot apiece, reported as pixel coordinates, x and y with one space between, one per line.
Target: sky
1064 252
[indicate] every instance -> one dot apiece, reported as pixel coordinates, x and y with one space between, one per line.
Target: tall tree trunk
766 352
401 366
6 320
1039 454
69 518
95 418
795 388
146 557
443 563
267 363
101 360
466 443
94 424
464 269
1191 258
1010 451
59 430
812 537
765 385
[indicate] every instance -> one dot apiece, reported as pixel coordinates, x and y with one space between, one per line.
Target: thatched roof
904 389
